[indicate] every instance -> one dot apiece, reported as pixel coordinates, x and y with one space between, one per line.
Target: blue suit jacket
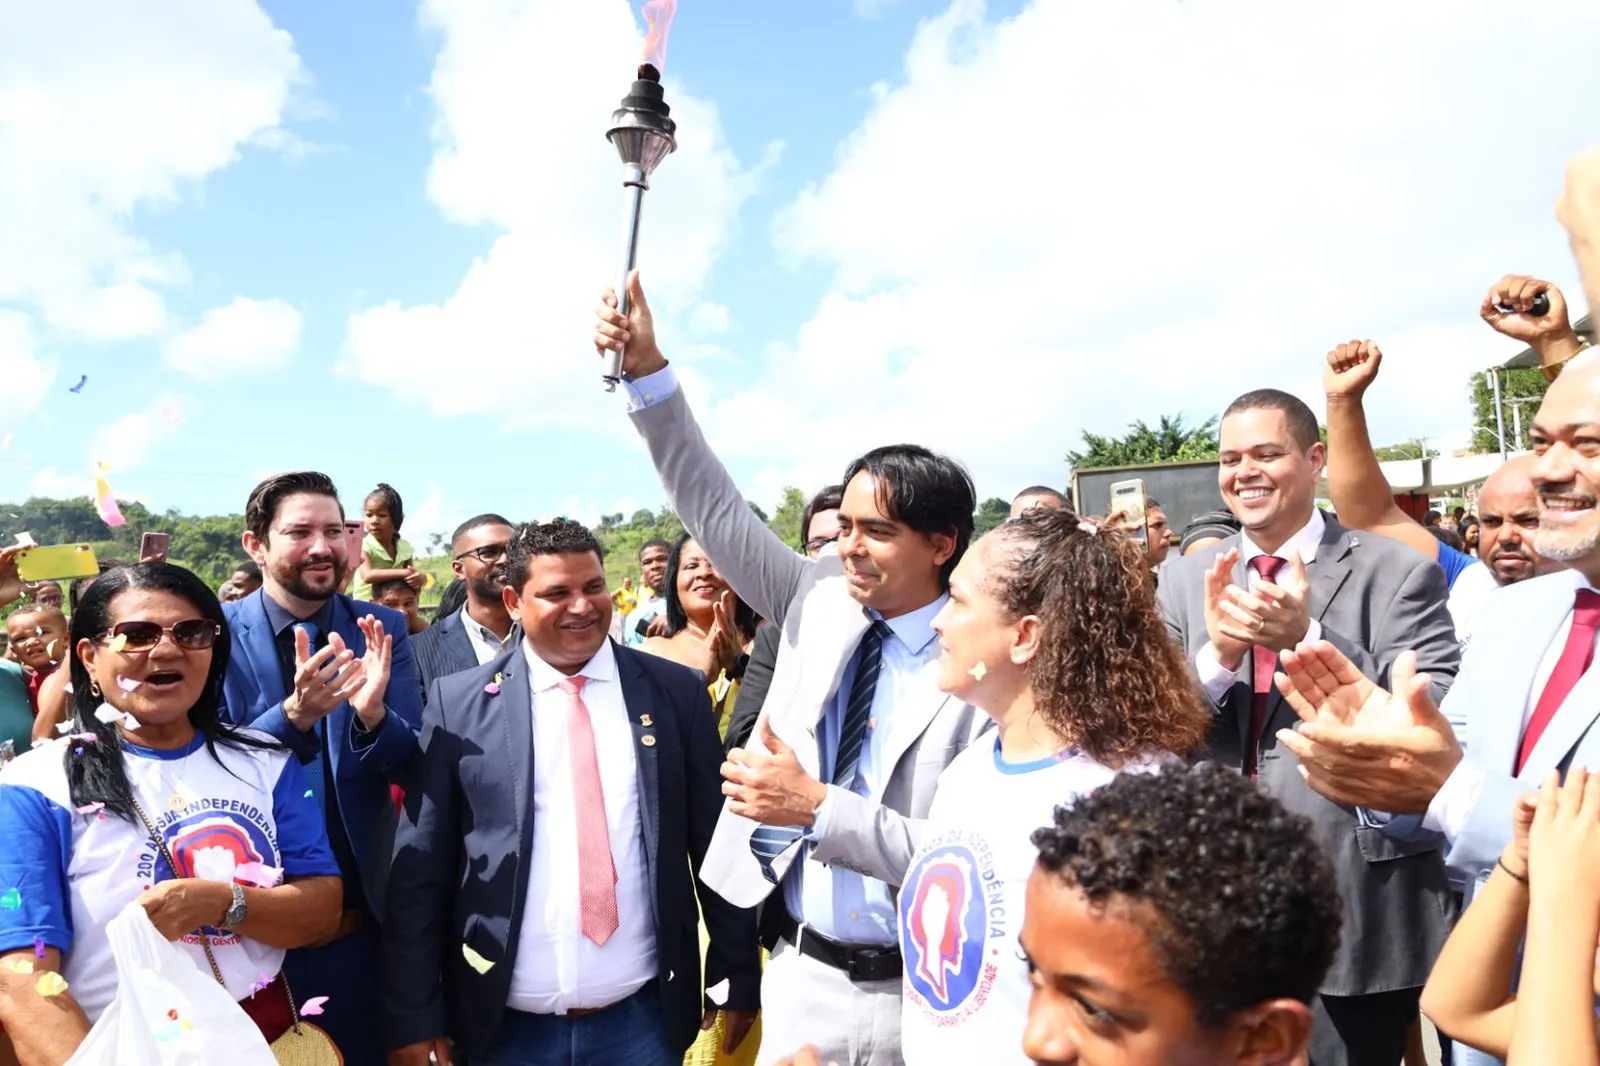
364 764
461 860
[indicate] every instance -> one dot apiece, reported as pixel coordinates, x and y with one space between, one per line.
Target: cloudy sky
368 236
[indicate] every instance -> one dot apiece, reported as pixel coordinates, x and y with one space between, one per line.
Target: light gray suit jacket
1374 598
821 627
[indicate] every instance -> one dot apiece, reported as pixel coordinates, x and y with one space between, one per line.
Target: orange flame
658 17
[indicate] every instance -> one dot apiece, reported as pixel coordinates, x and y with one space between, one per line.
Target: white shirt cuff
650 389
1453 804
819 821
1215 678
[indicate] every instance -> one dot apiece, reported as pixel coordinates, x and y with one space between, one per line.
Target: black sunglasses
191 634
487 554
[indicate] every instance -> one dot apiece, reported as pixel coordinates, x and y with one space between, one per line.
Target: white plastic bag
167 1011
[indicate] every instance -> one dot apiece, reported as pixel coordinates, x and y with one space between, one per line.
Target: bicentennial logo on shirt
953 924
210 842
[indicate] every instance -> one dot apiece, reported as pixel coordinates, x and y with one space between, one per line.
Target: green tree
1167 440
1414 449
785 520
1514 385
991 513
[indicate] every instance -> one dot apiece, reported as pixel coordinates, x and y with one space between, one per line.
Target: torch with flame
642 133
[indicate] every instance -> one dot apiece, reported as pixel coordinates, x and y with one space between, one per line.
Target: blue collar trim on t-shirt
165 754
1029 767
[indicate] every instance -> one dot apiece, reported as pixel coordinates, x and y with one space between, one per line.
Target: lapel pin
648 741
644 720
493 687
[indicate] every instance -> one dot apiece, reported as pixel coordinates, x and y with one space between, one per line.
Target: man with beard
297 653
1526 700
476 633
1508 506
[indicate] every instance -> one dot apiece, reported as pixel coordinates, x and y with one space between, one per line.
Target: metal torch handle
634 185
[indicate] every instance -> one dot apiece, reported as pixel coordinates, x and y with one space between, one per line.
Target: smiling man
1293 575
562 809
298 656
854 698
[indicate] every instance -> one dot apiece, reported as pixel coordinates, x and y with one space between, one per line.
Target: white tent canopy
1436 475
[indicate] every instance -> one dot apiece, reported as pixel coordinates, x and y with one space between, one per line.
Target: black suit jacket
753 687
443 649
461 860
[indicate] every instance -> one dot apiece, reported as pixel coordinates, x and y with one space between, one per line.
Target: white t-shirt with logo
966 986
64 875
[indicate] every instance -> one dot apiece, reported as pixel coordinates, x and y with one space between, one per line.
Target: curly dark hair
555 537
1107 677
1236 895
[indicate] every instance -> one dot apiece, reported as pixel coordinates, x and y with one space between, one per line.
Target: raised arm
1361 494
762 569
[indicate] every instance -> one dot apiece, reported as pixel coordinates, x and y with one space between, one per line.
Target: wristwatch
238 911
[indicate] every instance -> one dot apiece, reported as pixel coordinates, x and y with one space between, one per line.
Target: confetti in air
118 642
718 993
82 381
106 503
476 961
978 672
127 684
313 1006
38 947
12 900
92 808
259 874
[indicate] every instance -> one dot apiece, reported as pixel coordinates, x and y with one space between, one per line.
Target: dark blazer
443 649
753 687
364 764
460 873
1374 598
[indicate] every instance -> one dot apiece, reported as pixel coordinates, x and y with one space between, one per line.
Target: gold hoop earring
94 688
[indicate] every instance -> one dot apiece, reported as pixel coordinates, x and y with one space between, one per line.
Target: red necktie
1575 659
1264 663
597 873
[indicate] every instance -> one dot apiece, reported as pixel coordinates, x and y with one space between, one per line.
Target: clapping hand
367 699
322 680
1273 615
1230 650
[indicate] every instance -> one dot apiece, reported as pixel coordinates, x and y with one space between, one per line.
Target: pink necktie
1264 663
597 873
1576 656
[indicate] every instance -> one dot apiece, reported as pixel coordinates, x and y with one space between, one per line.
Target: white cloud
27 376
105 111
245 336
1091 213
125 443
56 484
553 190
708 318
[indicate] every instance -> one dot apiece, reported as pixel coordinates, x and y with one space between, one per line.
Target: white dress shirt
485 645
1452 805
1218 679
557 968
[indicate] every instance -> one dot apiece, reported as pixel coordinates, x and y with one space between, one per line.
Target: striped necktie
770 841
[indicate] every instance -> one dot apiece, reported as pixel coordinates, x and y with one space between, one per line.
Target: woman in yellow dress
709 629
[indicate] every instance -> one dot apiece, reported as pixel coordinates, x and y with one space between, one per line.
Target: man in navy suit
302 670
542 899
479 631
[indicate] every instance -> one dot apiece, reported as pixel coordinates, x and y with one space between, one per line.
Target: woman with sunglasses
153 799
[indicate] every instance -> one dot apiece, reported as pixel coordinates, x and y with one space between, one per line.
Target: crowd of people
891 794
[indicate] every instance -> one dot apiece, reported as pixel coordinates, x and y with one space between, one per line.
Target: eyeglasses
488 554
191 634
816 544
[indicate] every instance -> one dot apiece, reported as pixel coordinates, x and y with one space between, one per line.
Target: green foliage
207 545
991 512
1168 440
1414 449
1514 385
785 521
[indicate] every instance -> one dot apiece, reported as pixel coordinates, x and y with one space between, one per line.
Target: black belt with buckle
862 962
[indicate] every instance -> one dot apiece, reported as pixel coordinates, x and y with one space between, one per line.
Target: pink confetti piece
258 874
127 684
91 808
38 947
261 985
105 503
492 689
86 738
313 1006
